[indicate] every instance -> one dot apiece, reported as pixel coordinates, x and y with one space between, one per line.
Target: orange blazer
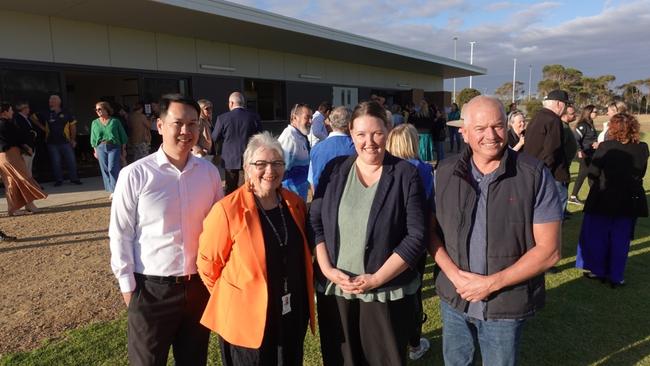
232 264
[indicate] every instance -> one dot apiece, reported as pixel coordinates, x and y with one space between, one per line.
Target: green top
354 211
112 132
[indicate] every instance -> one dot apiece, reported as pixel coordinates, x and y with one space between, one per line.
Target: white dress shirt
157 216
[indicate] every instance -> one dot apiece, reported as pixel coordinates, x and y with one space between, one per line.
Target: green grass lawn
583 323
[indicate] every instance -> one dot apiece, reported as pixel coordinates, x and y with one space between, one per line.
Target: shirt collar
337 133
162 160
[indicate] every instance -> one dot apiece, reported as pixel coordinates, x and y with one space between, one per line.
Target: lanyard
283 243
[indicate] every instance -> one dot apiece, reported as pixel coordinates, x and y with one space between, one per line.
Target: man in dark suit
28 128
235 128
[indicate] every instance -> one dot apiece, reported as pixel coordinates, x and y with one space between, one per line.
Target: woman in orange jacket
255 261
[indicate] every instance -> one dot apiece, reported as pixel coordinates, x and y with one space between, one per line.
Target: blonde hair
618 105
403 141
105 106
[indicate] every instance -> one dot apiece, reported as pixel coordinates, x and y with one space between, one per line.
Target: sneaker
415 353
575 201
5 237
77 182
58 183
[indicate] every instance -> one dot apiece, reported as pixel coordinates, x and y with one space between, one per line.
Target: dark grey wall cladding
216 90
312 94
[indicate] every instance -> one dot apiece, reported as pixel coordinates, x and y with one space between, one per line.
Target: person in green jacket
108 139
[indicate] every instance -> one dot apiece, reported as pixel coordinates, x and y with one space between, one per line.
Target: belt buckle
182 279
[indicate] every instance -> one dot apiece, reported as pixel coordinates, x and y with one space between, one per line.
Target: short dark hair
4 106
372 109
167 99
21 104
324 107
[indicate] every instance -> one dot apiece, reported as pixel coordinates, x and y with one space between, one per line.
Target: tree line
582 89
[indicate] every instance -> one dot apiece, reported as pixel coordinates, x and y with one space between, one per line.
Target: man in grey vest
500 217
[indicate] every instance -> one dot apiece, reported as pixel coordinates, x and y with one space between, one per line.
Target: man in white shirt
296 150
158 208
319 130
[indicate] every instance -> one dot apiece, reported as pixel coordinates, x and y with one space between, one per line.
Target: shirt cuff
127 283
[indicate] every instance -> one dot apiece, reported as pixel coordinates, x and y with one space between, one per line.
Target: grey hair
547 103
237 98
340 118
512 115
262 139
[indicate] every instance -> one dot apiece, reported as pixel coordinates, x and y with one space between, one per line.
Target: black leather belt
167 279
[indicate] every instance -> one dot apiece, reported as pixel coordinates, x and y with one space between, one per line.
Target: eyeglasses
262 164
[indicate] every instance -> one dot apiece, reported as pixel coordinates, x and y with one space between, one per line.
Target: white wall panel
271 64
133 49
25 37
294 65
245 60
212 53
176 53
80 43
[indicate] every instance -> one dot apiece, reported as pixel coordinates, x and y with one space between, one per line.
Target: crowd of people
336 216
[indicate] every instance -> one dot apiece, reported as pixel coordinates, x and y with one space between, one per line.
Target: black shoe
617 284
58 183
5 237
77 182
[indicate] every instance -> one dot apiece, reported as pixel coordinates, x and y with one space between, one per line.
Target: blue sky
597 37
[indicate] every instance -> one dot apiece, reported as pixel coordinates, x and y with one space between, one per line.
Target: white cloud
612 42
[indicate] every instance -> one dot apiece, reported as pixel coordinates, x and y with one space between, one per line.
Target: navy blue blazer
235 128
397 221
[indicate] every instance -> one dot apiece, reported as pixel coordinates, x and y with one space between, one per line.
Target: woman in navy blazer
368 219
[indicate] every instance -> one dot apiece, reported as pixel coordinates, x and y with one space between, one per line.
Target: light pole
514 78
530 78
453 96
471 59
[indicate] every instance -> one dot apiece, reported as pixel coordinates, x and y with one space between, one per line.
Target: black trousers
416 334
582 174
353 332
161 315
234 178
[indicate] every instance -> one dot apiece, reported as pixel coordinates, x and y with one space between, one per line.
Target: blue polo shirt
335 145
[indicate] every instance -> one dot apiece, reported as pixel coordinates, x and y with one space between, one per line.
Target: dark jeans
65 153
498 339
161 315
454 136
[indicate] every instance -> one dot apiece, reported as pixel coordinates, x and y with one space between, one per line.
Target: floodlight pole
471 59
514 78
453 96
530 78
